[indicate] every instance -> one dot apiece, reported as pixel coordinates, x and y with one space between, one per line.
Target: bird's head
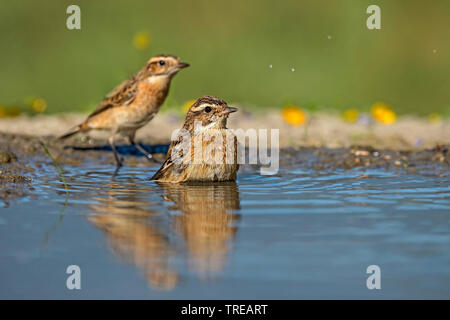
165 65
212 112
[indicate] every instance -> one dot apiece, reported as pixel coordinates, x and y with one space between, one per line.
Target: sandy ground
323 130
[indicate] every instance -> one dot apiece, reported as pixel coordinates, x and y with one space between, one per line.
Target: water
300 234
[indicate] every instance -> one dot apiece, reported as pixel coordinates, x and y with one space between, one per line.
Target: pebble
7 157
363 153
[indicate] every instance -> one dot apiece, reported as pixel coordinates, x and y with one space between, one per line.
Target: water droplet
270 66
329 37
434 50
292 69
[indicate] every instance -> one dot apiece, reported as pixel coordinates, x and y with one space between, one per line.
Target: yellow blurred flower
10 111
187 105
3 112
383 113
13 111
39 105
434 117
294 115
351 115
141 40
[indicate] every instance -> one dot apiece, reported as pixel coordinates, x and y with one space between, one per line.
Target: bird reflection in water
206 224
201 223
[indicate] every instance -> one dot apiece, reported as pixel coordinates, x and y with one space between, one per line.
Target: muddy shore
327 146
327 130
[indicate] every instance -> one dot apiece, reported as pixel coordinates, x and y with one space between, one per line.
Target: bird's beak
182 65
229 110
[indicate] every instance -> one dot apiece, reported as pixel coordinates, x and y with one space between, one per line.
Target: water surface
300 234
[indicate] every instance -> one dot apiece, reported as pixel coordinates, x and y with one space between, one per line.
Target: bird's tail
72 132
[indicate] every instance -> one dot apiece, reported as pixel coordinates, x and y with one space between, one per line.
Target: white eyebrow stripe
200 107
157 59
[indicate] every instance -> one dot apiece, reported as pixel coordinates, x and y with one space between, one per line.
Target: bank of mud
22 157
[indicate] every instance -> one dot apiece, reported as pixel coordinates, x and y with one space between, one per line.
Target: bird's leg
116 155
140 148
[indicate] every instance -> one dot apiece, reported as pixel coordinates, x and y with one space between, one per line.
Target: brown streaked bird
133 103
205 122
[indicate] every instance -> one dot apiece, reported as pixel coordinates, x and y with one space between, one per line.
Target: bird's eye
162 62
208 109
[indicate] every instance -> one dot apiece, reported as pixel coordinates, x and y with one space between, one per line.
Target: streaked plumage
212 113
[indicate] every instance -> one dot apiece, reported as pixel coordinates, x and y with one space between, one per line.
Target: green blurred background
338 62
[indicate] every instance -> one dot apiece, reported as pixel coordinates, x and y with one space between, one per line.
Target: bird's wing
122 95
169 163
160 173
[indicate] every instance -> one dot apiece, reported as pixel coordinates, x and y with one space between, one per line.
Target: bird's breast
151 95
213 156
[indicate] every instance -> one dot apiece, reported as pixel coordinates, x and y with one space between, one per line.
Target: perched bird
205 123
133 103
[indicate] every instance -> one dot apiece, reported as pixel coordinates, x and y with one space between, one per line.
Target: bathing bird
204 150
